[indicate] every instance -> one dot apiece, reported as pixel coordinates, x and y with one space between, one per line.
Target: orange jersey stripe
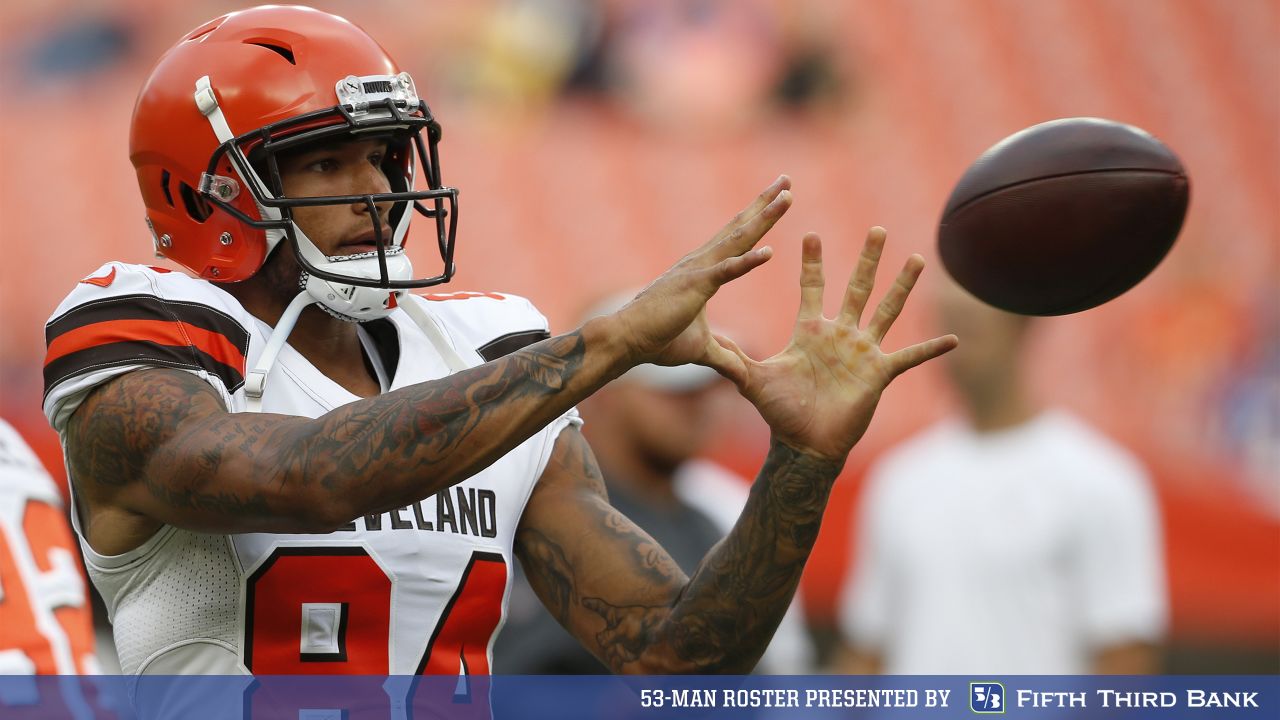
461 295
163 332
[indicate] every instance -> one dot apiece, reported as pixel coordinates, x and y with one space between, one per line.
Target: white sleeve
490 324
1121 558
129 317
864 599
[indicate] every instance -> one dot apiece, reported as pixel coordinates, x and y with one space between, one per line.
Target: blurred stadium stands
595 143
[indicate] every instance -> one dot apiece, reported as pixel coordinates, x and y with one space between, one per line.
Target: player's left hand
819 393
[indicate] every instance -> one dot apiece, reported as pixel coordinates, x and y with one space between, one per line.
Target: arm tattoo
116 438
204 468
548 570
733 603
434 425
655 619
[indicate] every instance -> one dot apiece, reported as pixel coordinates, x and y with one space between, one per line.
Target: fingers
747 227
893 301
811 280
863 278
735 267
909 357
766 196
747 234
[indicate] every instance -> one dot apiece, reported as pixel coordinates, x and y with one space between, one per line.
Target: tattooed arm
623 597
156 446
619 592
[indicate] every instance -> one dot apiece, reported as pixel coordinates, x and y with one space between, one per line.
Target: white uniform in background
46 626
1018 552
369 598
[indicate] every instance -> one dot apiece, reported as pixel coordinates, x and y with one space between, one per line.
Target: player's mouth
364 243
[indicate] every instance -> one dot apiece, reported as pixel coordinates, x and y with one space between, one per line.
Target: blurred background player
46 626
648 430
1013 539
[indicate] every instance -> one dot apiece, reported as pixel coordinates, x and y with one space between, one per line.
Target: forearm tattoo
722 618
733 603
454 426
382 452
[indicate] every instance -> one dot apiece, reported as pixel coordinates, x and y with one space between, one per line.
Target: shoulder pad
125 317
495 324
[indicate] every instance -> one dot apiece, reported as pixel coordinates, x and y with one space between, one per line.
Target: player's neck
331 345
1007 407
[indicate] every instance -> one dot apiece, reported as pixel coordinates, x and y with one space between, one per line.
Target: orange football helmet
229 96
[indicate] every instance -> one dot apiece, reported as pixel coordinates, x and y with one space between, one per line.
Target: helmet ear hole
276 48
197 207
164 186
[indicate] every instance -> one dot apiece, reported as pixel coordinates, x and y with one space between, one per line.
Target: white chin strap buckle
256 383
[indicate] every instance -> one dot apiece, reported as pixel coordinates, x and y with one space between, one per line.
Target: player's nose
371 180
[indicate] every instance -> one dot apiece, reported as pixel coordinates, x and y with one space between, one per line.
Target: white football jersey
421 589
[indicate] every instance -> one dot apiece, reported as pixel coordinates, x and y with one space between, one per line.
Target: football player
46 626
289 463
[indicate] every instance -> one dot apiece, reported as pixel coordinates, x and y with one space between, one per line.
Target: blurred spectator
1014 540
1249 408
696 64
79 46
46 626
646 428
520 55
701 65
809 75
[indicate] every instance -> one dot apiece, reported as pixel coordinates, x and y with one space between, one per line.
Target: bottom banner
319 697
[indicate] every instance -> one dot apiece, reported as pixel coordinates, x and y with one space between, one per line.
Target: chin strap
256 382
434 333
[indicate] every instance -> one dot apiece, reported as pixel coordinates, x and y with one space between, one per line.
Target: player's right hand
666 323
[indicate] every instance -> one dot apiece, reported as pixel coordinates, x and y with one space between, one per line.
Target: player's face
991 341
668 428
353 167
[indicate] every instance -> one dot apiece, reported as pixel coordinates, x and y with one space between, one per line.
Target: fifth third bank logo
986 697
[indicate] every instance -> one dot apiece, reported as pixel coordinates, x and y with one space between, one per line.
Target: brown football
1063 216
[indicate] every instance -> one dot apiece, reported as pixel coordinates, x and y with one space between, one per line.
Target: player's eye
323 165
375 158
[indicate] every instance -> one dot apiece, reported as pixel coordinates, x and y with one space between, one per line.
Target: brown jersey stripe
149 307
510 343
161 332
139 352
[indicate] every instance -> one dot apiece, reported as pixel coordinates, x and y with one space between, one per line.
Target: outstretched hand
819 393
666 323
